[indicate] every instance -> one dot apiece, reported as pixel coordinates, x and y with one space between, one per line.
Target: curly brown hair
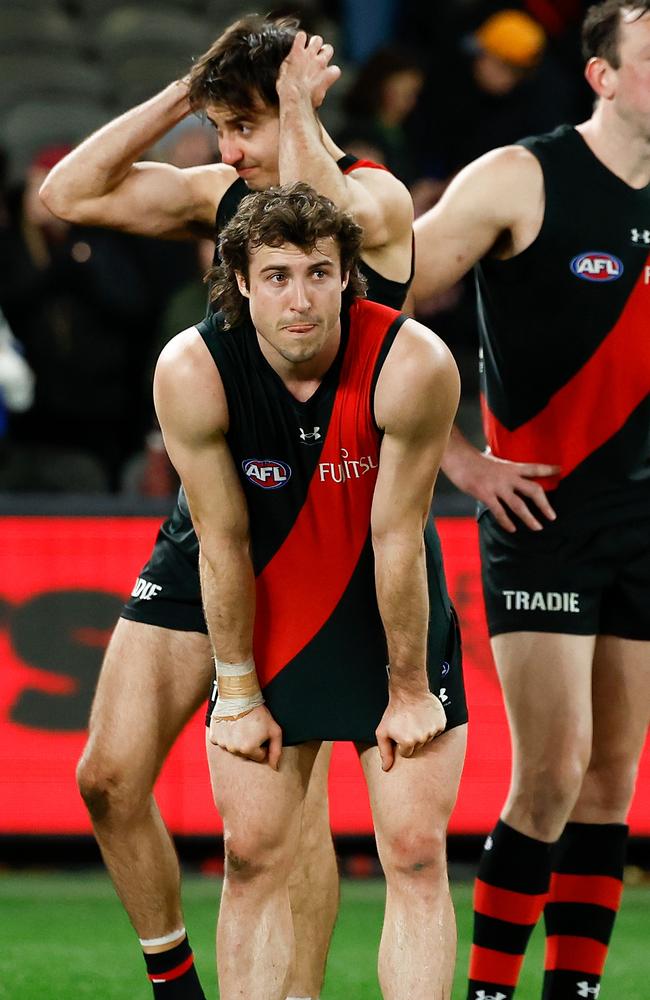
293 213
600 29
240 68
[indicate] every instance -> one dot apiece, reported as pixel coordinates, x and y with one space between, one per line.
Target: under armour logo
640 236
482 995
585 990
310 437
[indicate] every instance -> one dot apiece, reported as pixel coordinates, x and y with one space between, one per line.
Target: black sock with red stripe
173 975
509 896
585 894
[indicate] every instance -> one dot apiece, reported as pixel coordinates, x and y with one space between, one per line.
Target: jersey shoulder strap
373 328
348 163
230 201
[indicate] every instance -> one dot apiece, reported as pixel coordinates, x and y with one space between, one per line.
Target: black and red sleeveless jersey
308 472
178 528
565 335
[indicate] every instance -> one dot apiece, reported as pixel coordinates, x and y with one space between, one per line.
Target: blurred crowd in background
426 87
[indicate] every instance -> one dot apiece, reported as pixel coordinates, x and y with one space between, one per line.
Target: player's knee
254 856
609 784
547 794
417 855
106 792
558 775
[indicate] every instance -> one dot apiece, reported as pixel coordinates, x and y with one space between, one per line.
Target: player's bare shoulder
389 194
188 391
514 184
382 206
212 178
205 186
495 205
504 187
419 384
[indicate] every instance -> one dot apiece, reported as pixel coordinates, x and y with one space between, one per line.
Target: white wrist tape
238 689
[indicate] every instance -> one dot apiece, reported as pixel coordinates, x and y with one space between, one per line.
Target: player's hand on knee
255 736
502 487
408 724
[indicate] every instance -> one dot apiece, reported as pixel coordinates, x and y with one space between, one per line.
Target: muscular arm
415 402
100 183
494 204
377 201
191 407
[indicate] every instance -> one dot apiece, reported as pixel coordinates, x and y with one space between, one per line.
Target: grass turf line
66 937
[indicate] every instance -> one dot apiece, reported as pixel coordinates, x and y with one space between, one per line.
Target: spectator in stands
77 300
501 91
16 383
150 473
380 100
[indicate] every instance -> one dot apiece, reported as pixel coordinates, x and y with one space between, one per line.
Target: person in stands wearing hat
499 80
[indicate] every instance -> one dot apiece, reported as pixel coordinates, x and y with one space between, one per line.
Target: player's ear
344 281
242 284
601 77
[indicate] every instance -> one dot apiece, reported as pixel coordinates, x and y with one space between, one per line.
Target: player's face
295 298
249 143
633 74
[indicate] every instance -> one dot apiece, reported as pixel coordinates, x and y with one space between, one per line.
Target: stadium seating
32 76
139 77
32 125
137 31
46 30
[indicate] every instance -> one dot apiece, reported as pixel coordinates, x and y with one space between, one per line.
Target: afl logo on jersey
597 265
266 472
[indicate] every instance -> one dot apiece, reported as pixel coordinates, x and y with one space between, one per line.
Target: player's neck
618 145
303 378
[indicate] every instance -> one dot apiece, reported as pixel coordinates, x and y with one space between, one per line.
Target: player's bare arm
495 205
378 202
101 182
192 410
415 403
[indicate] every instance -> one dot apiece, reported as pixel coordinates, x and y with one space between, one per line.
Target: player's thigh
546 682
315 818
260 807
412 802
151 683
621 700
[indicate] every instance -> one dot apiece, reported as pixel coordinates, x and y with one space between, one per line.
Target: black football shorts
575 577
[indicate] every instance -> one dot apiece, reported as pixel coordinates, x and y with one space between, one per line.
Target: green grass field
65 937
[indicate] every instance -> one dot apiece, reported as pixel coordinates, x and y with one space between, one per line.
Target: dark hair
600 29
295 214
366 93
241 67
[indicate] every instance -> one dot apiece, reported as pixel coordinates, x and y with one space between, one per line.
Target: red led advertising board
62 582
